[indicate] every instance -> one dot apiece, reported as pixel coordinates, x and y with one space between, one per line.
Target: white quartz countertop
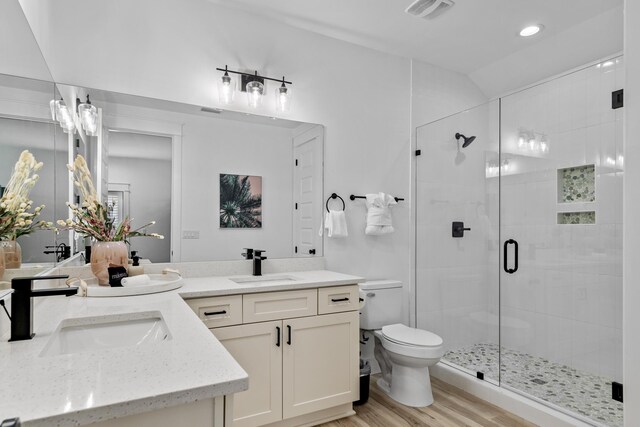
81 388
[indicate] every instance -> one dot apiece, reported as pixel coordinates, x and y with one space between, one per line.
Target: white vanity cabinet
303 364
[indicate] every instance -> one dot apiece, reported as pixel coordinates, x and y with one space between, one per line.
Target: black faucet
247 254
257 261
62 251
22 303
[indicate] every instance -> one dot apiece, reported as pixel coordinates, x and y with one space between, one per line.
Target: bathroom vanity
229 351
300 348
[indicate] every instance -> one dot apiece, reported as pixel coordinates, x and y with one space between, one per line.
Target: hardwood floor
452 407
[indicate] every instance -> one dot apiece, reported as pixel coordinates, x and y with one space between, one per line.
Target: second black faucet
257 257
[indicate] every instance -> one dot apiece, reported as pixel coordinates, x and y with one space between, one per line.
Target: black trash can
365 375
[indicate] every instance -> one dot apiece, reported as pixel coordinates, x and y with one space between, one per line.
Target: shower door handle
506 256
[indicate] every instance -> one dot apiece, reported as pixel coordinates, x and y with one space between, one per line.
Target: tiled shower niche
588 217
577 184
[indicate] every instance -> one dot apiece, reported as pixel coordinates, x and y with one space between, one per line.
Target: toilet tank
382 303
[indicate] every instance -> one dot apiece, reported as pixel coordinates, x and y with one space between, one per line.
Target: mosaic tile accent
577 184
577 391
577 217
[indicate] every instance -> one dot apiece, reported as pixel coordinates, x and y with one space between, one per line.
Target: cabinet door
258 349
320 360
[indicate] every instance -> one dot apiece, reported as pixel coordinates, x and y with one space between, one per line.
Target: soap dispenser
135 269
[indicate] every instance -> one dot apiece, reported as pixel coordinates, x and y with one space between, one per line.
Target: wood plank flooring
452 407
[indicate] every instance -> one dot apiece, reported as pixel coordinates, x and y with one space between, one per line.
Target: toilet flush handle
371 294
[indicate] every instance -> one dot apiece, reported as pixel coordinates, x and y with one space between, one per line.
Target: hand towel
378 214
335 222
140 280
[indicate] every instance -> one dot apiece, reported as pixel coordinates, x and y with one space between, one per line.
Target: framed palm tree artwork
240 201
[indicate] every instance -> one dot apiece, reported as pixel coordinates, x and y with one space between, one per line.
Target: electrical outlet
191 234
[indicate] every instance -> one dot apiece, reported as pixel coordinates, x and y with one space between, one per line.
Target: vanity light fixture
61 113
254 86
88 114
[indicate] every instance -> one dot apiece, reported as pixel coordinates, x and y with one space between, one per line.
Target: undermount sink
104 332
258 280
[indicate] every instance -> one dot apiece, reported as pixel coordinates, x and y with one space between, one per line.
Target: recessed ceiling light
531 30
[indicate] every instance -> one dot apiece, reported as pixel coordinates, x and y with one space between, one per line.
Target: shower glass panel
457 278
561 201
542 181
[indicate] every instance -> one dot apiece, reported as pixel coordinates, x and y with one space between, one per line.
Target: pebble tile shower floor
580 392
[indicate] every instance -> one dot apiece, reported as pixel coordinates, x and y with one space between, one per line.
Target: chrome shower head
467 141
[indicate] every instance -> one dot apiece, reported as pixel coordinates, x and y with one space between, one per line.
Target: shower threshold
576 391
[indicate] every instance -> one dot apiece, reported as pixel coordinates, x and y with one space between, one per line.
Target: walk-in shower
531 298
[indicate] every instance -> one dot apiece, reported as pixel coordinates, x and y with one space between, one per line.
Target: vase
12 254
106 254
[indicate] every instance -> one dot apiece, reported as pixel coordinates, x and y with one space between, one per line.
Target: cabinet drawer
279 305
338 298
218 311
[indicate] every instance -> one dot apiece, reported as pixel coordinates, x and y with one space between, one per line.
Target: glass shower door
457 267
561 246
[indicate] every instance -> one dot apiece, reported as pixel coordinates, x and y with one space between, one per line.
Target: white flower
61 222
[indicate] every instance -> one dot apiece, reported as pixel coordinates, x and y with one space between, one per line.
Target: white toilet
404 353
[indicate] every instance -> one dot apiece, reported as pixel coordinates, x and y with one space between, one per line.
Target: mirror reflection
213 182
29 154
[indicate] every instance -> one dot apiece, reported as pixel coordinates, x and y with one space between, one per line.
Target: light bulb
532 143
283 98
63 116
255 90
226 89
88 117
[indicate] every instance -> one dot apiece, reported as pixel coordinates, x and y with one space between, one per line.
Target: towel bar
352 197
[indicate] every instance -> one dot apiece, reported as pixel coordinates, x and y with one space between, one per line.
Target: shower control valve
458 229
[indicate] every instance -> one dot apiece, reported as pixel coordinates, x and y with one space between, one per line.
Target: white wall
631 244
150 200
211 147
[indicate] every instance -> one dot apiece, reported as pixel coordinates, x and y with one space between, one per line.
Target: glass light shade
88 118
63 115
283 99
226 89
53 108
255 92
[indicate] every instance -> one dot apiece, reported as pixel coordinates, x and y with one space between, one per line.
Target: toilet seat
411 342
402 334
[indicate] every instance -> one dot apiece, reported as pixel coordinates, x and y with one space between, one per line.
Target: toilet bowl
403 353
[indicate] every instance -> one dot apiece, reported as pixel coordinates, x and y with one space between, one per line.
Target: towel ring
335 196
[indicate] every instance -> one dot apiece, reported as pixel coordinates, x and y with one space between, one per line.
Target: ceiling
469 36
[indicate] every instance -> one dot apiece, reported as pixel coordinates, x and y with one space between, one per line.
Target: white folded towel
140 280
335 222
378 214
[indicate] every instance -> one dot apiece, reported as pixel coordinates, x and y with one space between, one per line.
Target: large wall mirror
213 181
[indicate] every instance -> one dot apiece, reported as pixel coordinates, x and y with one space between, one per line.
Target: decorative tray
159 283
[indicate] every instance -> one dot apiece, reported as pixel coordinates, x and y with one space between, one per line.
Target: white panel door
258 349
320 359
307 191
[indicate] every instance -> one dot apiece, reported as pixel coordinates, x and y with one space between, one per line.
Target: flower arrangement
16 217
91 219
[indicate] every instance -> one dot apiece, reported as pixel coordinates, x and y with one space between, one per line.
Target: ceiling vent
429 8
